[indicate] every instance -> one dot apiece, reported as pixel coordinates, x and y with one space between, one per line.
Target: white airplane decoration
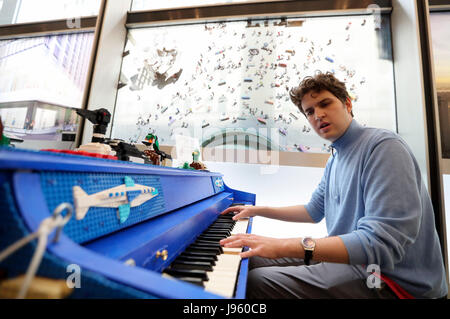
123 197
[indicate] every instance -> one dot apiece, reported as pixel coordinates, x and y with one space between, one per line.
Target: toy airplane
123 197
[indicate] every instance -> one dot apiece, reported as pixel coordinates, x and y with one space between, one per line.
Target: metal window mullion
138 19
86 24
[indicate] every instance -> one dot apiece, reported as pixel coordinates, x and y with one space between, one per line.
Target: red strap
399 291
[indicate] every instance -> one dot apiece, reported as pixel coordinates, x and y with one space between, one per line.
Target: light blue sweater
373 197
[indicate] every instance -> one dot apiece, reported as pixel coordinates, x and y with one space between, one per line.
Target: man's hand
264 246
241 211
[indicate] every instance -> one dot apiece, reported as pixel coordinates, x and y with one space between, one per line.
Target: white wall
275 186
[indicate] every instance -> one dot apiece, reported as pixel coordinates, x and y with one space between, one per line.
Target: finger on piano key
232 250
240 228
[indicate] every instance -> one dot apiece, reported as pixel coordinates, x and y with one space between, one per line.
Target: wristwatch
308 245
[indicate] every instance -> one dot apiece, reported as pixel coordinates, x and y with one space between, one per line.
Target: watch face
308 243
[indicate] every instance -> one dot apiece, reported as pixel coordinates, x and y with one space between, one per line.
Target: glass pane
234 80
155 5
21 11
42 81
440 33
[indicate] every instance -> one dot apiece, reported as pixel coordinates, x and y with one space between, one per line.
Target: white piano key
240 227
222 279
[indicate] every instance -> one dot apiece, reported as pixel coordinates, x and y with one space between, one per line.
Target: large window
22 11
217 79
43 78
440 31
42 81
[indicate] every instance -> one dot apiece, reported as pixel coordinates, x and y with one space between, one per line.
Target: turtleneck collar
353 131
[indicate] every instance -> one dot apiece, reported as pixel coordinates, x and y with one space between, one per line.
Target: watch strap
308 256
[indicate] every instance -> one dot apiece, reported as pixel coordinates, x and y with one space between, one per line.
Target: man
382 241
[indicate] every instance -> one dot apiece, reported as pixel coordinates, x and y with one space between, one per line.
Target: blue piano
135 232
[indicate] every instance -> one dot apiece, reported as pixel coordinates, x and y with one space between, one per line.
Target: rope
45 229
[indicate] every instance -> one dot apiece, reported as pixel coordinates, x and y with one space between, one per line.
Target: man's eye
309 112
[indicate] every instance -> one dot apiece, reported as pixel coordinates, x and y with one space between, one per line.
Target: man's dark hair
320 81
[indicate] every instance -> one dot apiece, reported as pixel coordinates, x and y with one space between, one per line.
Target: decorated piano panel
128 228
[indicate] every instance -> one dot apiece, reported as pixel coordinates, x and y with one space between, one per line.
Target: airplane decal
123 197
219 182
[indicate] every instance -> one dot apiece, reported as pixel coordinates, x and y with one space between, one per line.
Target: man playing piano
382 241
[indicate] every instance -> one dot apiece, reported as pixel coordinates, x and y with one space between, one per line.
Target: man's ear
349 105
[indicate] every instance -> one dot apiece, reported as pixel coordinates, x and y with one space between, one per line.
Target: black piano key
225 217
217 232
199 254
226 228
180 264
231 214
225 221
205 249
199 244
214 243
208 259
222 224
187 273
221 227
214 238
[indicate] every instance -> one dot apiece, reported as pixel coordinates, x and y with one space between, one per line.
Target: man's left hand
261 246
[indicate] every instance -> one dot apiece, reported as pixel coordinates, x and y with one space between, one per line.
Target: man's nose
319 114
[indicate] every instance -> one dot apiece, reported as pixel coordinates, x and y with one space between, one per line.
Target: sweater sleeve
391 184
316 207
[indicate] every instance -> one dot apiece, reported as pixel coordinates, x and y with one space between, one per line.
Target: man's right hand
242 211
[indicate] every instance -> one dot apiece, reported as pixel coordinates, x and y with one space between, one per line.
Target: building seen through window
43 80
22 11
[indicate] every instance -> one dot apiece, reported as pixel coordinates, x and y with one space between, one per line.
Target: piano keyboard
207 264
